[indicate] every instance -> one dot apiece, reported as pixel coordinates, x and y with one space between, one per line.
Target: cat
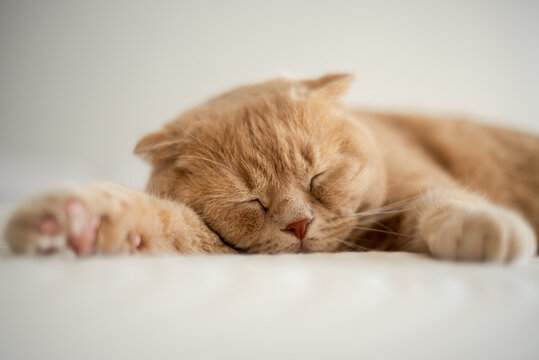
284 167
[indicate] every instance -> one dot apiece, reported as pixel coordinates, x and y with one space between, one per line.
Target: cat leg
455 225
107 219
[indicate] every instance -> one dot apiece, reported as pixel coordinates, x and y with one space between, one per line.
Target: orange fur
257 158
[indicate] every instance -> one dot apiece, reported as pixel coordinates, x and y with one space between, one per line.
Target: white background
82 81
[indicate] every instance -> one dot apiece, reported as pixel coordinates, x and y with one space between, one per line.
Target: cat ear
329 86
157 145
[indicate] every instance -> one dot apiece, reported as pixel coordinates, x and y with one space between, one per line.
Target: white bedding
320 306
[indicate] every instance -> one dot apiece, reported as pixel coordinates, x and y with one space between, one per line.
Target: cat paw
80 221
477 233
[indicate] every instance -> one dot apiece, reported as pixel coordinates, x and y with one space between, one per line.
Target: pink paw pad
135 240
48 225
83 228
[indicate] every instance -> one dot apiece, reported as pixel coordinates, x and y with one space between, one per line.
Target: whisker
373 218
377 212
386 211
353 246
395 204
378 230
338 223
206 159
177 126
382 225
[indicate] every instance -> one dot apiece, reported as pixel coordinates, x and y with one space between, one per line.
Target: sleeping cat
283 167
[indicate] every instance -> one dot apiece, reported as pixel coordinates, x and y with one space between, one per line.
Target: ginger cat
283 167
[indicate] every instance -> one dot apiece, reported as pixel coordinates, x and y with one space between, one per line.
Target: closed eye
260 204
311 187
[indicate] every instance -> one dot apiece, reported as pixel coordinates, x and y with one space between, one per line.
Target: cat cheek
250 222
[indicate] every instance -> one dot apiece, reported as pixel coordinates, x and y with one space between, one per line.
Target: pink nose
299 228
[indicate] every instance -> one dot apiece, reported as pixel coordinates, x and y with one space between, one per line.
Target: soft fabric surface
320 306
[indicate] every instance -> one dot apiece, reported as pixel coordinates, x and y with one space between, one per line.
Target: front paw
83 221
472 232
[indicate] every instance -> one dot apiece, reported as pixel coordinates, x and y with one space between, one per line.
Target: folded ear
158 145
329 86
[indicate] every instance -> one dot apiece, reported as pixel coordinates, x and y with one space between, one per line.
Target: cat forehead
258 157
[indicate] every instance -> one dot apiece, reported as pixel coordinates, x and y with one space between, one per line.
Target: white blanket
320 306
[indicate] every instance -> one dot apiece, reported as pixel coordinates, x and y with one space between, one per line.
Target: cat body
283 167
482 163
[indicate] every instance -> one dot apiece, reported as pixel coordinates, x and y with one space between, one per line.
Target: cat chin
313 245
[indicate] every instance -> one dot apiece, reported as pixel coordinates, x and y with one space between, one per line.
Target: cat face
276 167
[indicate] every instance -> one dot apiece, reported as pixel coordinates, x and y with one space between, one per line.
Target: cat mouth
303 248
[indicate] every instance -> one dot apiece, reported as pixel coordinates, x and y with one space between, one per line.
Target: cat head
275 167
